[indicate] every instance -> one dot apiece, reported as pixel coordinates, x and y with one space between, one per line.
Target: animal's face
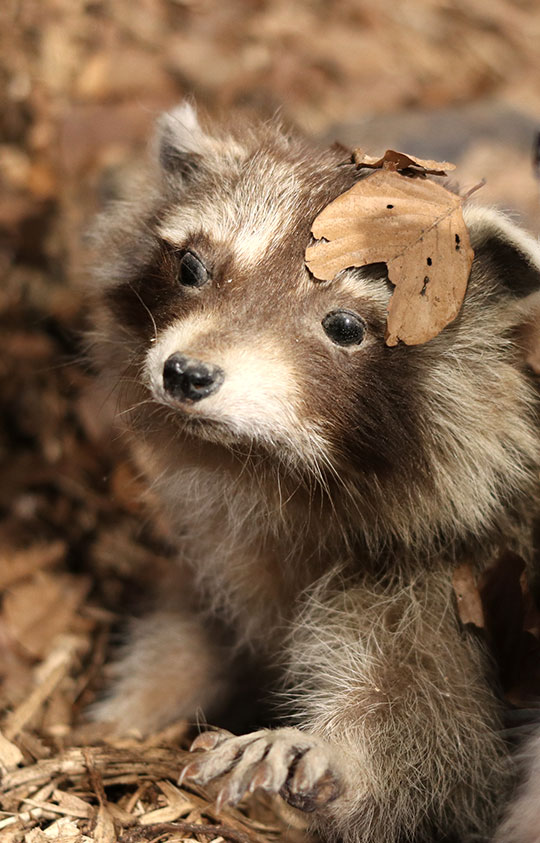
234 333
255 349
231 336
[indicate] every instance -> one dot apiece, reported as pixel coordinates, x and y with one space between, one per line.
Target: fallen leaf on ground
414 226
512 625
498 602
469 602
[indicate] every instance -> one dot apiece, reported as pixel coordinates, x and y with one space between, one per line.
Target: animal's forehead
255 208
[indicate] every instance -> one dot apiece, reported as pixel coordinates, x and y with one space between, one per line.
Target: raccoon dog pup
318 484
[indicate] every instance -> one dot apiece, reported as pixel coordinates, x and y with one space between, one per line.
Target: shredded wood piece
10 754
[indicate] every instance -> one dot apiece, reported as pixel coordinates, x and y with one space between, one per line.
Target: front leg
170 668
397 735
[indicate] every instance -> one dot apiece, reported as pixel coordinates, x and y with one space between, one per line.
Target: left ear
506 258
181 143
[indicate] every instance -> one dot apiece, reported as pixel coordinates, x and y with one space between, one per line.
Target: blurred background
81 82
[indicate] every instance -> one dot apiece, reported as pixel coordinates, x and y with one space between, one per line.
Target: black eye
344 327
192 271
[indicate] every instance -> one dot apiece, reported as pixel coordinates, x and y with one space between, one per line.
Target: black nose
184 378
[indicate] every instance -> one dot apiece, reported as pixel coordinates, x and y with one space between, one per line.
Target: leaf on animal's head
416 228
392 160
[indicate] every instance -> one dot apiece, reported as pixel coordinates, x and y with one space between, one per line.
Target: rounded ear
505 256
180 141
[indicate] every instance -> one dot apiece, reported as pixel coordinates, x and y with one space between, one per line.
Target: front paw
299 766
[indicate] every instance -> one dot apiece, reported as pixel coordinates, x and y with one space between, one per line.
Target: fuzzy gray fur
322 496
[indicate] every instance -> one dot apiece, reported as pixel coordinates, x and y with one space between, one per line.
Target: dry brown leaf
393 160
469 602
414 226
